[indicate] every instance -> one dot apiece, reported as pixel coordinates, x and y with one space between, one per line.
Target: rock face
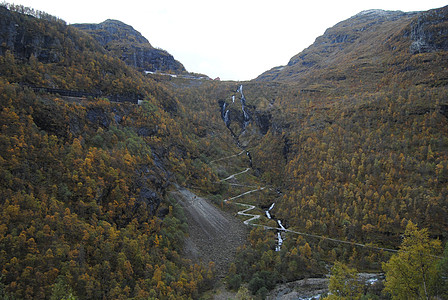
149 200
26 36
429 31
123 41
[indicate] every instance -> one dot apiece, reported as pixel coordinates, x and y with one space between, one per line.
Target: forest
86 205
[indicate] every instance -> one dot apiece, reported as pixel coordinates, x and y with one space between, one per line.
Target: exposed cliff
429 30
123 41
48 42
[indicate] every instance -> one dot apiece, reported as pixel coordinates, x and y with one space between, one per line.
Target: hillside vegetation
84 209
349 140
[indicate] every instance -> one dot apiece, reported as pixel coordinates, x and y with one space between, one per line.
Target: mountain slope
351 147
84 203
364 49
125 42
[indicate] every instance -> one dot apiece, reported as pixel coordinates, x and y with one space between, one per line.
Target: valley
321 177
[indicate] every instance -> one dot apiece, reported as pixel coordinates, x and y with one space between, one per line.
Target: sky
230 39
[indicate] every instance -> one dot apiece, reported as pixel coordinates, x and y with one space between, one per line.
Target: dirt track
214 235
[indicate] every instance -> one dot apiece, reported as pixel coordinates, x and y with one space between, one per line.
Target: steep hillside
331 158
126 43
346 42
355 144
366 49
84 205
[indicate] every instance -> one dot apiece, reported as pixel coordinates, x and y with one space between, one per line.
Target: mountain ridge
123 41
364 39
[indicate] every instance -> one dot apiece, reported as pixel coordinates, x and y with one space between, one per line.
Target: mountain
123 41
116 184
368 44
86 178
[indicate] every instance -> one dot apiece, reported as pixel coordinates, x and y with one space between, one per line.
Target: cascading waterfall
279 236
246 116
282 228
267 212
225 114
223 109
226 118
246 120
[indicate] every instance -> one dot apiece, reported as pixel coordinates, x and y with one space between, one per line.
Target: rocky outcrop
98 117
123 41
263 120
113 31
429 31
48 42
148 200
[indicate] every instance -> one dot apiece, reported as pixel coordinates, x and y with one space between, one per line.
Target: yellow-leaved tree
412 272
344 283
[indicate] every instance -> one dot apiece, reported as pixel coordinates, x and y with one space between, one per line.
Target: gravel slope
214 235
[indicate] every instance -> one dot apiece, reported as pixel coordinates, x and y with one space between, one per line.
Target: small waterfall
282 228
246 116
267 212
280 224
223 110
279 236
243 100
250 158
227 118
280 242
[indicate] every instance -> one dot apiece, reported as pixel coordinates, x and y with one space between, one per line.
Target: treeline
31 12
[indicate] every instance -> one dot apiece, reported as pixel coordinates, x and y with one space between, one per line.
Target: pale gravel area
214 235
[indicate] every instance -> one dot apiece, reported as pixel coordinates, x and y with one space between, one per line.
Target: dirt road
214 235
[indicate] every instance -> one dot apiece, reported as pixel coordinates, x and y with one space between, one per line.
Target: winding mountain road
227 157
247 206
233 175
215 235
253 217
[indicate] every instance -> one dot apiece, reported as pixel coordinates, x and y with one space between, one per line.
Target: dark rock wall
129 45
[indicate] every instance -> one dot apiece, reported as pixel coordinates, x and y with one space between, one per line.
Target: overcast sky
232 39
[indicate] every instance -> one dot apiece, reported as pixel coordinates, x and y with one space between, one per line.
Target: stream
246 120
307 289
279 230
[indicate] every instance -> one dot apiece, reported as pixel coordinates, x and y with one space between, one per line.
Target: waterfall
267 212
280 224
279 236
226 118
280 242
246 116
223 110
250 158
282 228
